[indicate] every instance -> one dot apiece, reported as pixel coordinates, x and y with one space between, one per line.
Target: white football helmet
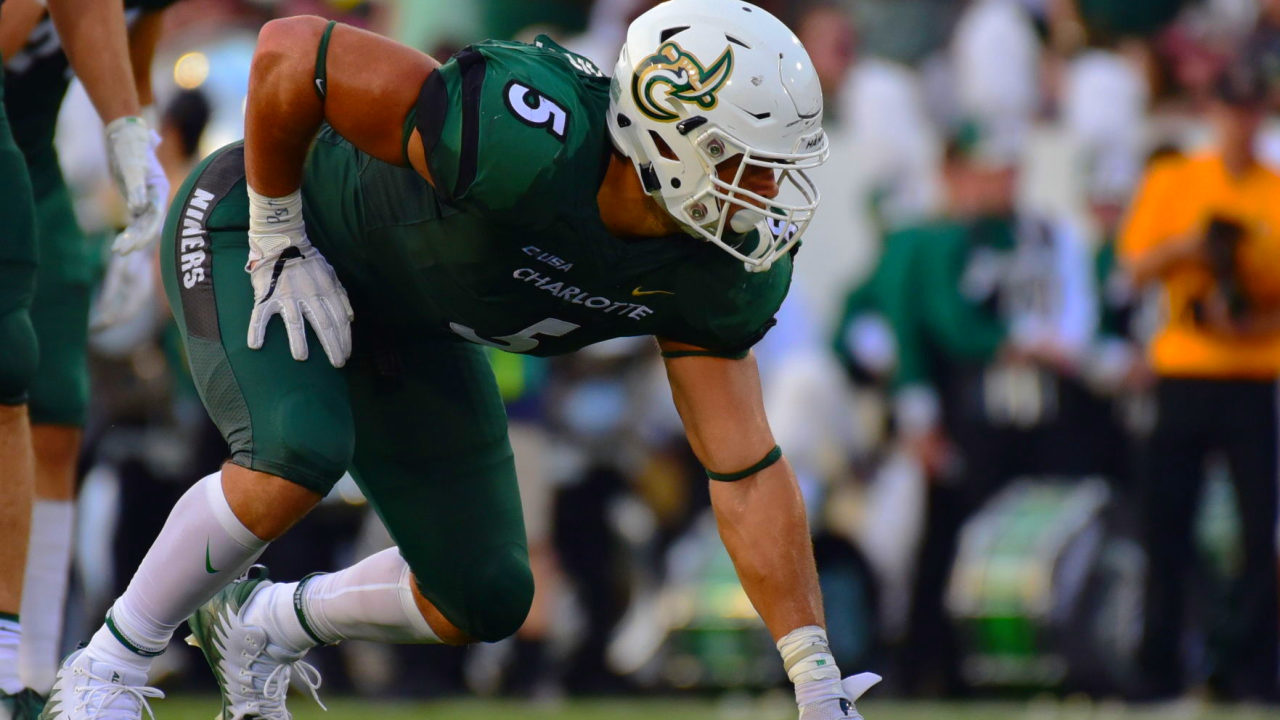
699 82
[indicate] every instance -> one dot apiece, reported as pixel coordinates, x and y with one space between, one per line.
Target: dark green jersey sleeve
721 307
514 130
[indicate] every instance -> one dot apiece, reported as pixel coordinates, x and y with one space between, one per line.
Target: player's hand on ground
128 287
841 707
131 154
301 287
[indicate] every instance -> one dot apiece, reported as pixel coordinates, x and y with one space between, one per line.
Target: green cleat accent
253 675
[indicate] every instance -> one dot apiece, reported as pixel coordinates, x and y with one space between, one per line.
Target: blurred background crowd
1026 373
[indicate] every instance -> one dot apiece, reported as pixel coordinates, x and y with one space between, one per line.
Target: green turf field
189 708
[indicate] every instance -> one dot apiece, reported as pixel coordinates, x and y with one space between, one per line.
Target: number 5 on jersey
520 342
536 110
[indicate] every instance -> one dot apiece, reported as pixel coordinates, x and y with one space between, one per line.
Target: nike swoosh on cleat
208 565
641 293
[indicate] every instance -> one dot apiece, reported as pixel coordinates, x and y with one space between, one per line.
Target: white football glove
131 154
292 279
127 288
839 705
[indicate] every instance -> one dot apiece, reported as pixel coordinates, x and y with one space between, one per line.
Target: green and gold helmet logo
685 77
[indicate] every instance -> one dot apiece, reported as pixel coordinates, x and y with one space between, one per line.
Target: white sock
371 600
44 592
202 547
10 638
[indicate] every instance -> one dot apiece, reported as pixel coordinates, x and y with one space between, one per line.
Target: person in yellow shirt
1206 228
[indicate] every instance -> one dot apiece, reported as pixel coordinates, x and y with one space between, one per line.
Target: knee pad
20 358
497 595
308 439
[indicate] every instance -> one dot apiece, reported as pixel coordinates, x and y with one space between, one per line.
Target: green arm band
322 62
774 456
672 354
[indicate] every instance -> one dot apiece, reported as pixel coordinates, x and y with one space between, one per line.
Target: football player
513 197
44 306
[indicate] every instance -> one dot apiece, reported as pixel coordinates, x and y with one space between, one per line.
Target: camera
1222 238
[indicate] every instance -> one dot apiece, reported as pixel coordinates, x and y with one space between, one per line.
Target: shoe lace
275 687
106 692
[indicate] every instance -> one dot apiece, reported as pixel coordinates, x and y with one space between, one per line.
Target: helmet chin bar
789 221
706 214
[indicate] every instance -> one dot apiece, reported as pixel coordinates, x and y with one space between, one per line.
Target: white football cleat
253 674
86 689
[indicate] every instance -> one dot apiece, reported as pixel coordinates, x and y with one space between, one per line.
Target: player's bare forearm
762 523
143 38
283 111
370 85
1160 260
761 517
93 35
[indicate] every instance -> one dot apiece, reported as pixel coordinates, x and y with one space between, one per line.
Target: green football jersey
37 78
508 248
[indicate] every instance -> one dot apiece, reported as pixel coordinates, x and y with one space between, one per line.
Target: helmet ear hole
650 178
663 148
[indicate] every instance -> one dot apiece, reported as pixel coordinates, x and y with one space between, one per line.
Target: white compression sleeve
44 592
371 600
202 547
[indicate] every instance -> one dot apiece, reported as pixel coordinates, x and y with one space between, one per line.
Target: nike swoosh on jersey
641 293
208 564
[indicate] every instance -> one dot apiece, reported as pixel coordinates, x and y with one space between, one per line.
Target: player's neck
626 209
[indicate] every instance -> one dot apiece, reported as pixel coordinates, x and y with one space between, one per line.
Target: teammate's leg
44 590
58 406
287 423
18 359
15 518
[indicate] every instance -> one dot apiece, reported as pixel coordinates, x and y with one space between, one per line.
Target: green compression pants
60 311
417 419
18 349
